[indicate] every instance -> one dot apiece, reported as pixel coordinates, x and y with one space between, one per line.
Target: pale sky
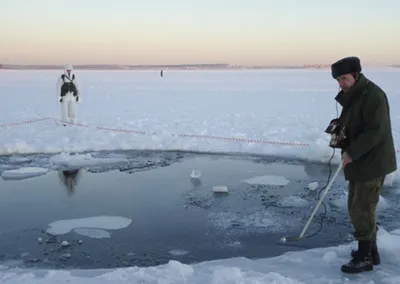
249 32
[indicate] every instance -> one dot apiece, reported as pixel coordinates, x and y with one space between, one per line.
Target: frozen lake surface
95 196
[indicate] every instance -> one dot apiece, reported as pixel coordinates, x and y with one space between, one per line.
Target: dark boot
376 259
362 261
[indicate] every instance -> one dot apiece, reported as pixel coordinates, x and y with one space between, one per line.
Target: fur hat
345 66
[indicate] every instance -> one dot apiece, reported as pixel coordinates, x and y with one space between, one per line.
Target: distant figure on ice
162 73
68 94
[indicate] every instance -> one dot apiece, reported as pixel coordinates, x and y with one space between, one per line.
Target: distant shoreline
144 67
165 67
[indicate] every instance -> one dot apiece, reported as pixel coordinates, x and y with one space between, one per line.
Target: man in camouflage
368 155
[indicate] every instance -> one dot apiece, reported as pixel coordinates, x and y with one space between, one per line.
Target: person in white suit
68 94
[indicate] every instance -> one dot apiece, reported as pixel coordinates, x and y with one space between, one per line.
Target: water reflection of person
70 179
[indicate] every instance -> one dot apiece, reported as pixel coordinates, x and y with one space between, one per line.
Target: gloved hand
77 98
60 100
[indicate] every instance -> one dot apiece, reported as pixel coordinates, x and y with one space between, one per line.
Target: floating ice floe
267 180
91 226
24 173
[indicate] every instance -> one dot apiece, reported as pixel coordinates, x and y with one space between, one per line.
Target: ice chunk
65 256
220 189
195 174
23 173
313 185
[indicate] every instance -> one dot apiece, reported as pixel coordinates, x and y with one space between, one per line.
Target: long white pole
328 187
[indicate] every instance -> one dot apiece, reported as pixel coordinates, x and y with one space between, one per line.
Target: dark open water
146 209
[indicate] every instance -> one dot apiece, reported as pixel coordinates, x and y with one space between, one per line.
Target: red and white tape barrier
25 122
246 140
193 135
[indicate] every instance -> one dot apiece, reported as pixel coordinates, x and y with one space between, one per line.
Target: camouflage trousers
362 202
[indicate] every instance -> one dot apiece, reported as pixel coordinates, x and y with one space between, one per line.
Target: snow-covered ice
274 112
98 222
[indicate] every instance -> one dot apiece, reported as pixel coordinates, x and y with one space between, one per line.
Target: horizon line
180 65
